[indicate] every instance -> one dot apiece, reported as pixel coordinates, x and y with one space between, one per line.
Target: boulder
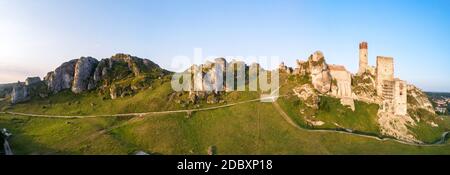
83 75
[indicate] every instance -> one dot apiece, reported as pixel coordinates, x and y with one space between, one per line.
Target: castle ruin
363 58
342 86
392 91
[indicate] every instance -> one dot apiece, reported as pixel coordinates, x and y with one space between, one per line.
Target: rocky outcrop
62 78
32 80
363 86
124 75
20 93
417 99
308 95
122 66
208 80
342 85
397 126
6 89
83 75
127 73
320 73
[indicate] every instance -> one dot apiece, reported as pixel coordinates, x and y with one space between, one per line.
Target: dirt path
139 114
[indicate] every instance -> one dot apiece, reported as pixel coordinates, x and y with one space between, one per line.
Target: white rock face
342 85
84 69
62 77
19 93
320 73
343 81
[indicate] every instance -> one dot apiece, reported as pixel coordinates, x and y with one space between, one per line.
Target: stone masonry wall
363 58
385 72
400 97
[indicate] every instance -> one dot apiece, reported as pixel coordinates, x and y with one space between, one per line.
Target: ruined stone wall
363 57
385 73
342 85
343 80
400 97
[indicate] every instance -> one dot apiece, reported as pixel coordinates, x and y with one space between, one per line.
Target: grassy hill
253 128
247 128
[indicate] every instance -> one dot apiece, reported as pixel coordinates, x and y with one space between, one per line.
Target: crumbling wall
342 79
342 85
400 98
385 73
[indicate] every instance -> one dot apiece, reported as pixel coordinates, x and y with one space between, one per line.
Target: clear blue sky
38 35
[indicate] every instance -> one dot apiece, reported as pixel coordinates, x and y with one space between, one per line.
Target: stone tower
363 59
385 77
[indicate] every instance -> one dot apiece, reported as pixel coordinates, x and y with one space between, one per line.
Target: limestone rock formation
20 93
308 95
124 75
320 73
342 85
62 78
87 73
363 86
301 68
417 99
84 69
122 66
6 89
209 80
32 80
397 126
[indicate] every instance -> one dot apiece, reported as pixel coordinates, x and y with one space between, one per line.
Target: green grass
60 136
253 128
91 103
425 132
363 119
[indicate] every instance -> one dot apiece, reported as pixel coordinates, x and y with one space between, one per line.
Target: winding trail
140 114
